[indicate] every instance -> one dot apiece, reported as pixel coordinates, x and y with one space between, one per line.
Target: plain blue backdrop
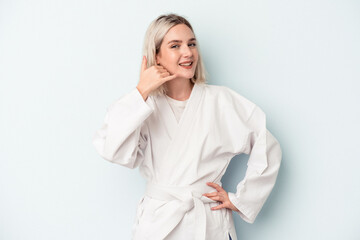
63 62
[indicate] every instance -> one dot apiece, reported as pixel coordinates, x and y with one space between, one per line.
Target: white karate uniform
177 158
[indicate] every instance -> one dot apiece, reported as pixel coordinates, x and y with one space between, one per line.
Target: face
177 49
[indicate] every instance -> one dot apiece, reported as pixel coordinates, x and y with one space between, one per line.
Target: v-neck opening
177 107
172 126
185 109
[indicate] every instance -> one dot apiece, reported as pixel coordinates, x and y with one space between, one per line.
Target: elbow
103 149
274 152
277 155
118 157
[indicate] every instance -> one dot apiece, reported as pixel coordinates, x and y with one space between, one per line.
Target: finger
216 198
162 70
218 207
164 74
171 77
211 194
144 64
216 186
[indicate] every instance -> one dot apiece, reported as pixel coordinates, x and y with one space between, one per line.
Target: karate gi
178 158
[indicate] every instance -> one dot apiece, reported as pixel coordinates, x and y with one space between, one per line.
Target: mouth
186 65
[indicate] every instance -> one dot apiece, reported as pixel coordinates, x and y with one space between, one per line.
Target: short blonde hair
152 42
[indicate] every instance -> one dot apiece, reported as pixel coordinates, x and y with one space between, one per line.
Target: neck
179 89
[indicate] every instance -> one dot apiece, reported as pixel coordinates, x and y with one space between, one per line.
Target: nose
186 51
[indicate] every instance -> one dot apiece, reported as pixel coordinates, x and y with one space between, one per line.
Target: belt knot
182 200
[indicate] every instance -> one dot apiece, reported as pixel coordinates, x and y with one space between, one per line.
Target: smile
186 65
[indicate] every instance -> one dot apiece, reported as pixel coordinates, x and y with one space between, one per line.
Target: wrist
142 92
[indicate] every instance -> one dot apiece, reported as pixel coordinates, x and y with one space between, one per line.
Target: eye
193 44
174 46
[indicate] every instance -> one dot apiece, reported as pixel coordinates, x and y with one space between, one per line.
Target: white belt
180 199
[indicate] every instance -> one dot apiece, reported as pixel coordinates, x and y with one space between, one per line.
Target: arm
263 166
122 137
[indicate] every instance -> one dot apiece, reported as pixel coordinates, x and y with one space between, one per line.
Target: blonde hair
152 42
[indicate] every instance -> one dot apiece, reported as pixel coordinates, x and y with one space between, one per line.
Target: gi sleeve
263 166
122 138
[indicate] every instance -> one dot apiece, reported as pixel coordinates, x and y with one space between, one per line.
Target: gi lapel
172 127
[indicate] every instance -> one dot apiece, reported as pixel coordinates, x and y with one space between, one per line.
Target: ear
157 57
157 60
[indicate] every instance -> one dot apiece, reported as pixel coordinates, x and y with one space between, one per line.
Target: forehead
179 32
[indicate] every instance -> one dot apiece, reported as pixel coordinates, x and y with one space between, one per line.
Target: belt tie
179 200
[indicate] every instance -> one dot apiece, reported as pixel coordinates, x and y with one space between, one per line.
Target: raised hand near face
151 78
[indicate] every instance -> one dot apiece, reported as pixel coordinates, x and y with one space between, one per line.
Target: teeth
187 64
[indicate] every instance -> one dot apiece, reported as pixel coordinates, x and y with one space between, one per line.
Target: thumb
144 64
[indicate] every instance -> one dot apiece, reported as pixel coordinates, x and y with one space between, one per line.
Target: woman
182 133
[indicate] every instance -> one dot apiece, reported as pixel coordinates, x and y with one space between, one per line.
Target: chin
188 76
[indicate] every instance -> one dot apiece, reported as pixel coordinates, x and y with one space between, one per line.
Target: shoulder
231 99
226 92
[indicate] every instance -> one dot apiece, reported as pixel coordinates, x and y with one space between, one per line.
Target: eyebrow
179 41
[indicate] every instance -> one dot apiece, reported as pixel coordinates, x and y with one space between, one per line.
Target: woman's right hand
151 78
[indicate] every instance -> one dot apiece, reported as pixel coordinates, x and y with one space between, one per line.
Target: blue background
63 62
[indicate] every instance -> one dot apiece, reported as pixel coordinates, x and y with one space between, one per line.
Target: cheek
196 54
167 54
173 57
171 60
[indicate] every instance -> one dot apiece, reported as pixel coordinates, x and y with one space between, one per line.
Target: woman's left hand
220 196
